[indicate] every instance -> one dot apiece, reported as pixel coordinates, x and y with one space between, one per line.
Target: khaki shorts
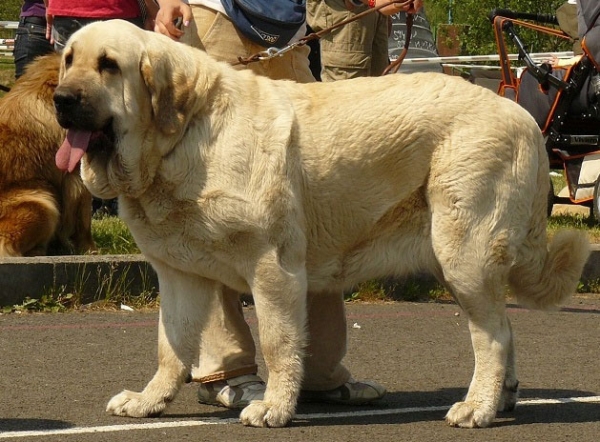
357 49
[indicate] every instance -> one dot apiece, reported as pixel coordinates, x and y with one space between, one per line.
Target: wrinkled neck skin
124 171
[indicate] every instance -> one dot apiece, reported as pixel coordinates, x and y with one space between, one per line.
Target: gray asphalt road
57 372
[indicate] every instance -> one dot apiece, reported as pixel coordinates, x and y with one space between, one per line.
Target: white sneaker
239 391
232 393
351 393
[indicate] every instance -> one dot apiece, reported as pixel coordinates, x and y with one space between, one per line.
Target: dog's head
125 95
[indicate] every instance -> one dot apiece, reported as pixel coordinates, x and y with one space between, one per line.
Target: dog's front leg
280 298
184 305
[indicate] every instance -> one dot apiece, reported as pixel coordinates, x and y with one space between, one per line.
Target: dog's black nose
66 101
66 106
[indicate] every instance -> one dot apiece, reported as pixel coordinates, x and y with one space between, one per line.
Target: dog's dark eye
106 63
69 59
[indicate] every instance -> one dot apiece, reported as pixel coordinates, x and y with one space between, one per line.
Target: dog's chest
197 236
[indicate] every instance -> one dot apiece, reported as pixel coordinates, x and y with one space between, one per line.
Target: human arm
151 10
49 21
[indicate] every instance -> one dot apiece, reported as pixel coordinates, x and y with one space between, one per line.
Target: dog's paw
468 415
132 404
262 414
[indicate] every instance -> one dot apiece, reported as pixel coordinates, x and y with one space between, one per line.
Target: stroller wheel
596 202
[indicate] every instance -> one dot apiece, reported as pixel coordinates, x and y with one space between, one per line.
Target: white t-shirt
212 4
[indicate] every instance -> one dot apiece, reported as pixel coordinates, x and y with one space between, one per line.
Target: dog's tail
545 273
551 277
28 221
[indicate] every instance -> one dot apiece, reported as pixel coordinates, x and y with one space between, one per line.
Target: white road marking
298 417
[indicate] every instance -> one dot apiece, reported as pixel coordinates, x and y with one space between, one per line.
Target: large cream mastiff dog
227 179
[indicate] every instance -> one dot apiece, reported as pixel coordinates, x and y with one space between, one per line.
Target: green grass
411 289
572 221
112 292
575 221
112 236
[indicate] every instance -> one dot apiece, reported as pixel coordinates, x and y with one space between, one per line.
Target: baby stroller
565 101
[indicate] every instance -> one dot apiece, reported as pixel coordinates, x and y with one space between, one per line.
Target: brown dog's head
125 95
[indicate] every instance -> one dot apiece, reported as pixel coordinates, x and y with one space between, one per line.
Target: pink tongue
72 150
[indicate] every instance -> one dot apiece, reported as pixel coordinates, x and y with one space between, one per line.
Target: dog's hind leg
475 262
492 343
280 297
184 306
490 337
510 390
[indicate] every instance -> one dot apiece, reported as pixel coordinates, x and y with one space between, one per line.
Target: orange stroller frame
563 101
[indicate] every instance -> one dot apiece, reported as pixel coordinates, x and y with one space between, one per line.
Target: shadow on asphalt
580 310
570 413
562 413
33 424
583 309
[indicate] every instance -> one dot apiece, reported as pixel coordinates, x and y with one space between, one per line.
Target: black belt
33 20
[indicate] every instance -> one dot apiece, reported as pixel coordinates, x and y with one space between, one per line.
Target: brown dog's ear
169 89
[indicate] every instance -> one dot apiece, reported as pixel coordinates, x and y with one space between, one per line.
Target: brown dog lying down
42 209
274 188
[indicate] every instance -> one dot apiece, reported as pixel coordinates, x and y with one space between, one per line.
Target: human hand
556 62
552 60
169 11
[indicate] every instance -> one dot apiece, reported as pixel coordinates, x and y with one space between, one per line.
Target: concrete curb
94 276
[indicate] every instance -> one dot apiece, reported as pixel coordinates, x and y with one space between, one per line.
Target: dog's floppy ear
171 89
62 65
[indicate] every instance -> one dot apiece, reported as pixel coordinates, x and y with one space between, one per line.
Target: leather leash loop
395 65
